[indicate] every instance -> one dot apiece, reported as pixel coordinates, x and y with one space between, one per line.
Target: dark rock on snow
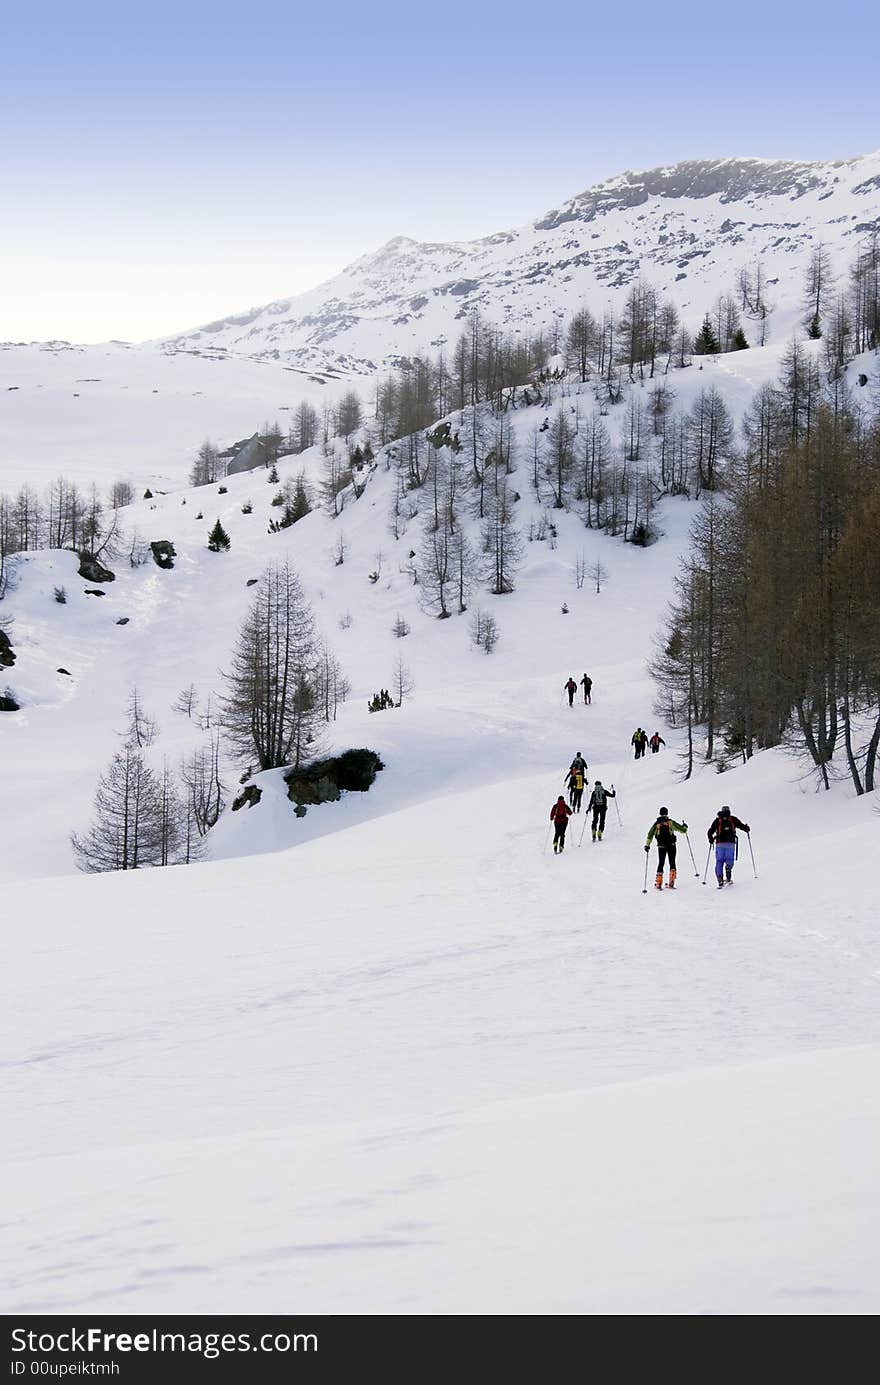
325 781
7 654
251 796
93 571
164 553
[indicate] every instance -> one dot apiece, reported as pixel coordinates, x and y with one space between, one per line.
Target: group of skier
721 834
575 780
641 740
571 688
722 831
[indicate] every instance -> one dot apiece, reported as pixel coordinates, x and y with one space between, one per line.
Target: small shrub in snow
8 702
345 621
400 628
247 508
484 631
60 596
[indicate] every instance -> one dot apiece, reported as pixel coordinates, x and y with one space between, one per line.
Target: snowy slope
396 1056
688 229
181 625
419 1066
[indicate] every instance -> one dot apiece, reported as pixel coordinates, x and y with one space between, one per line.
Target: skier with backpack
571 688
575 782
559 815
639 741
722 832
579 764
598 805
655 742
587 685
663 830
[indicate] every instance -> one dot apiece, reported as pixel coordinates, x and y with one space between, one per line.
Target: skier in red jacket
559 815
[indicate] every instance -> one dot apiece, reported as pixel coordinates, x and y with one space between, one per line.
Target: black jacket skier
587 685
598 805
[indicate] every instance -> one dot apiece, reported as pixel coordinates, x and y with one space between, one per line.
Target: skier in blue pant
723 833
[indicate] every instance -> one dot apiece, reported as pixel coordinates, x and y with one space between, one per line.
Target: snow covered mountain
689 229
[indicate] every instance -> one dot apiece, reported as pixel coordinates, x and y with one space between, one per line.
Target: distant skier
723 833
575 781
664 830
598 805
587 685
559 815
578 763
655 742
571 688
639 741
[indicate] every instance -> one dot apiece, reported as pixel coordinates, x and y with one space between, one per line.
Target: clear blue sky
162 164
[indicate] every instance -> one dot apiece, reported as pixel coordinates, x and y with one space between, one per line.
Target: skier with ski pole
559 815
722 833
575 781
664 829
598 805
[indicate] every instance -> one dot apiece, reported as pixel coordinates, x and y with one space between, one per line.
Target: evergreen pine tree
739 341
706 342
218 539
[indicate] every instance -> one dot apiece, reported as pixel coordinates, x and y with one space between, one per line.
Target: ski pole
752 854
647 863
546 839
617 808
706 871
584 827
691 850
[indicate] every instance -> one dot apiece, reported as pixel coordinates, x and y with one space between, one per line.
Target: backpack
599 797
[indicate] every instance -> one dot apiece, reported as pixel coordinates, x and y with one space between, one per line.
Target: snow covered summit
689 229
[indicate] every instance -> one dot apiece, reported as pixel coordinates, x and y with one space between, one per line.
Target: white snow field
113 412
396 1057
